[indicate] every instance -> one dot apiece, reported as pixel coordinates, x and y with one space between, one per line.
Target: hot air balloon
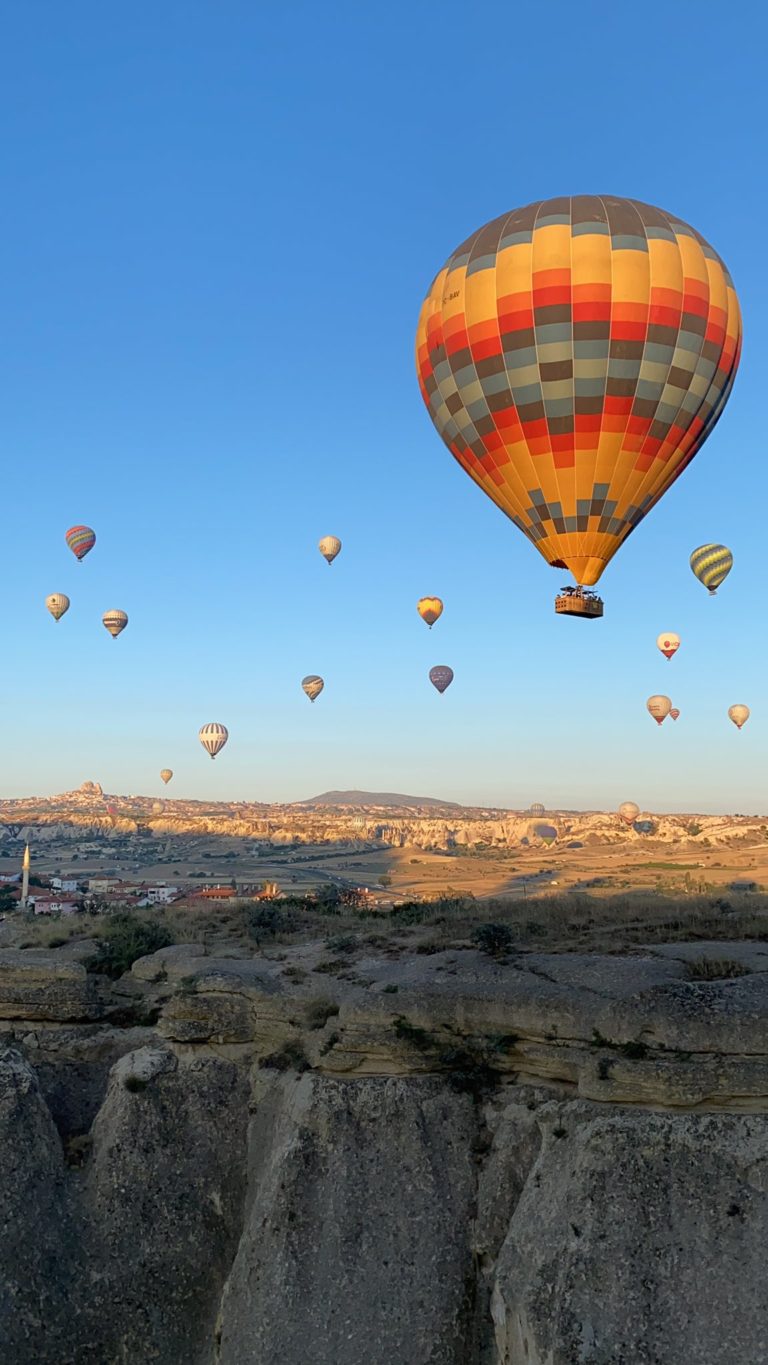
157 808
739 714
537 808
659 708
574 355
711 565
166 774
313 685
674 713
329 547
80 539
57 604
213 737
430 609
441 676
547 833
115 622
668 643
628 812
645 827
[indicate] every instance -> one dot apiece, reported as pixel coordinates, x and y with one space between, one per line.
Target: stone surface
45 986
348 1176
553 1160
635 1241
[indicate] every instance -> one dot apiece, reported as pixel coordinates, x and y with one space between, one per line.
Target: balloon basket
579 602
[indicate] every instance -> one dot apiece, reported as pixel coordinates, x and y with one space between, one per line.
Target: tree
328 899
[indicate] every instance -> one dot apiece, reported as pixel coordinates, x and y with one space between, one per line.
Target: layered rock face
557 1160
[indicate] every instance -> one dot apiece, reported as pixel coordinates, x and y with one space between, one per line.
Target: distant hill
375 799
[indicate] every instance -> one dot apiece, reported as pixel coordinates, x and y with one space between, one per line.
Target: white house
68 884
161 895
49 905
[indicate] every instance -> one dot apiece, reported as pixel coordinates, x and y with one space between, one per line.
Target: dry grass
575 921
715 969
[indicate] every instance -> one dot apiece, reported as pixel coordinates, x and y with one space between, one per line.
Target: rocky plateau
436 1159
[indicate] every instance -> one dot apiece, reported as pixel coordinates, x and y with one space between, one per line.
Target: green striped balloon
711 565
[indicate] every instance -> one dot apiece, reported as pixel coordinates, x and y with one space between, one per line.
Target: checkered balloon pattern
574 355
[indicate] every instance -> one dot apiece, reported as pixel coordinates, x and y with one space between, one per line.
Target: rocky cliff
434 1160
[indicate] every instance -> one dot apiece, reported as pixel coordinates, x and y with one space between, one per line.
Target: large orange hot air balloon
574 355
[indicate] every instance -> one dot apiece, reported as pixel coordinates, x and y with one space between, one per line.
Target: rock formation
438 1160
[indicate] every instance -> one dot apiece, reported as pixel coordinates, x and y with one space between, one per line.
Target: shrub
410 912
318 1012
467 1071
289 1058
342 943
412 1033
634 1050
495 939
264 921
715 969
127 938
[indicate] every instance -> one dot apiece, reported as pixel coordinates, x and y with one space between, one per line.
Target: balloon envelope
547 833
629 812
441 676
574 355
668 643
166 774
712 564
115 622
213 737
430 609
313 685
659 707
57 604
739 714
674 713
80 539
329 547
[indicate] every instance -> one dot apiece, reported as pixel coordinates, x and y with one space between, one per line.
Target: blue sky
219 223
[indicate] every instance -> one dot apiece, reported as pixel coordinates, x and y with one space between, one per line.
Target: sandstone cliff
439 1159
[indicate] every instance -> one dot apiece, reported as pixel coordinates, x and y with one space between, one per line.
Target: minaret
25 879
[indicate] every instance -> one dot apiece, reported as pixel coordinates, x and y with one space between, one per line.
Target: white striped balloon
213 737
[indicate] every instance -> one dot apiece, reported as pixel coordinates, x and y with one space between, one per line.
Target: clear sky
219 221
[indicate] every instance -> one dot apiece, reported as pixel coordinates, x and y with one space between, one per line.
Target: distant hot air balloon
329 547
711 565
430 609
574 355
739 714
157 808
547 833
441 676
80 539
674 713
628 812
213 737
115 622
57 604
313 685
659 708
166 774
668 643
